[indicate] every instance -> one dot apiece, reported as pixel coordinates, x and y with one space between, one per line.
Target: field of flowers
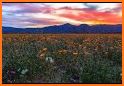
62 58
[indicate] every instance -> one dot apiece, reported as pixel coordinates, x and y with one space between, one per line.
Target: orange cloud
94 16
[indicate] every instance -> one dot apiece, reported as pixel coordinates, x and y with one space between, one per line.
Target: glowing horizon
48 14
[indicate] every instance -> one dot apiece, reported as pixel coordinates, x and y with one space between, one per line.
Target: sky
35 15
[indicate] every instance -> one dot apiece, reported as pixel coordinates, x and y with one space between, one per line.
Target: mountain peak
68 24
83 25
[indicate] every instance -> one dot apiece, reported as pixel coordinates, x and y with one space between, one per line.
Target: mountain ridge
67 28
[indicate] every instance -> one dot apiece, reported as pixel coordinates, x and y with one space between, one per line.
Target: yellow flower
65 51
43 54
44 49
60 51
75 53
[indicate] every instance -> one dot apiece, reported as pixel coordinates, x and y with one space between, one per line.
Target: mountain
67 28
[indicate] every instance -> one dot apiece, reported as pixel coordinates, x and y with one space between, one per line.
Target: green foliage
55 58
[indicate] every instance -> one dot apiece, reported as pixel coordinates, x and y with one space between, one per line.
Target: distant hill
67 28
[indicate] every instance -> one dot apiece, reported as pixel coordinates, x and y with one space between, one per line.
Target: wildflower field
62 58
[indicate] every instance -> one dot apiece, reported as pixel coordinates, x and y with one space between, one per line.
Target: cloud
46 14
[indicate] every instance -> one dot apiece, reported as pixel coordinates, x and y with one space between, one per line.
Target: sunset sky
47 14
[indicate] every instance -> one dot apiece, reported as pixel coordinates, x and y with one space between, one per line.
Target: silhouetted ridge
67 28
